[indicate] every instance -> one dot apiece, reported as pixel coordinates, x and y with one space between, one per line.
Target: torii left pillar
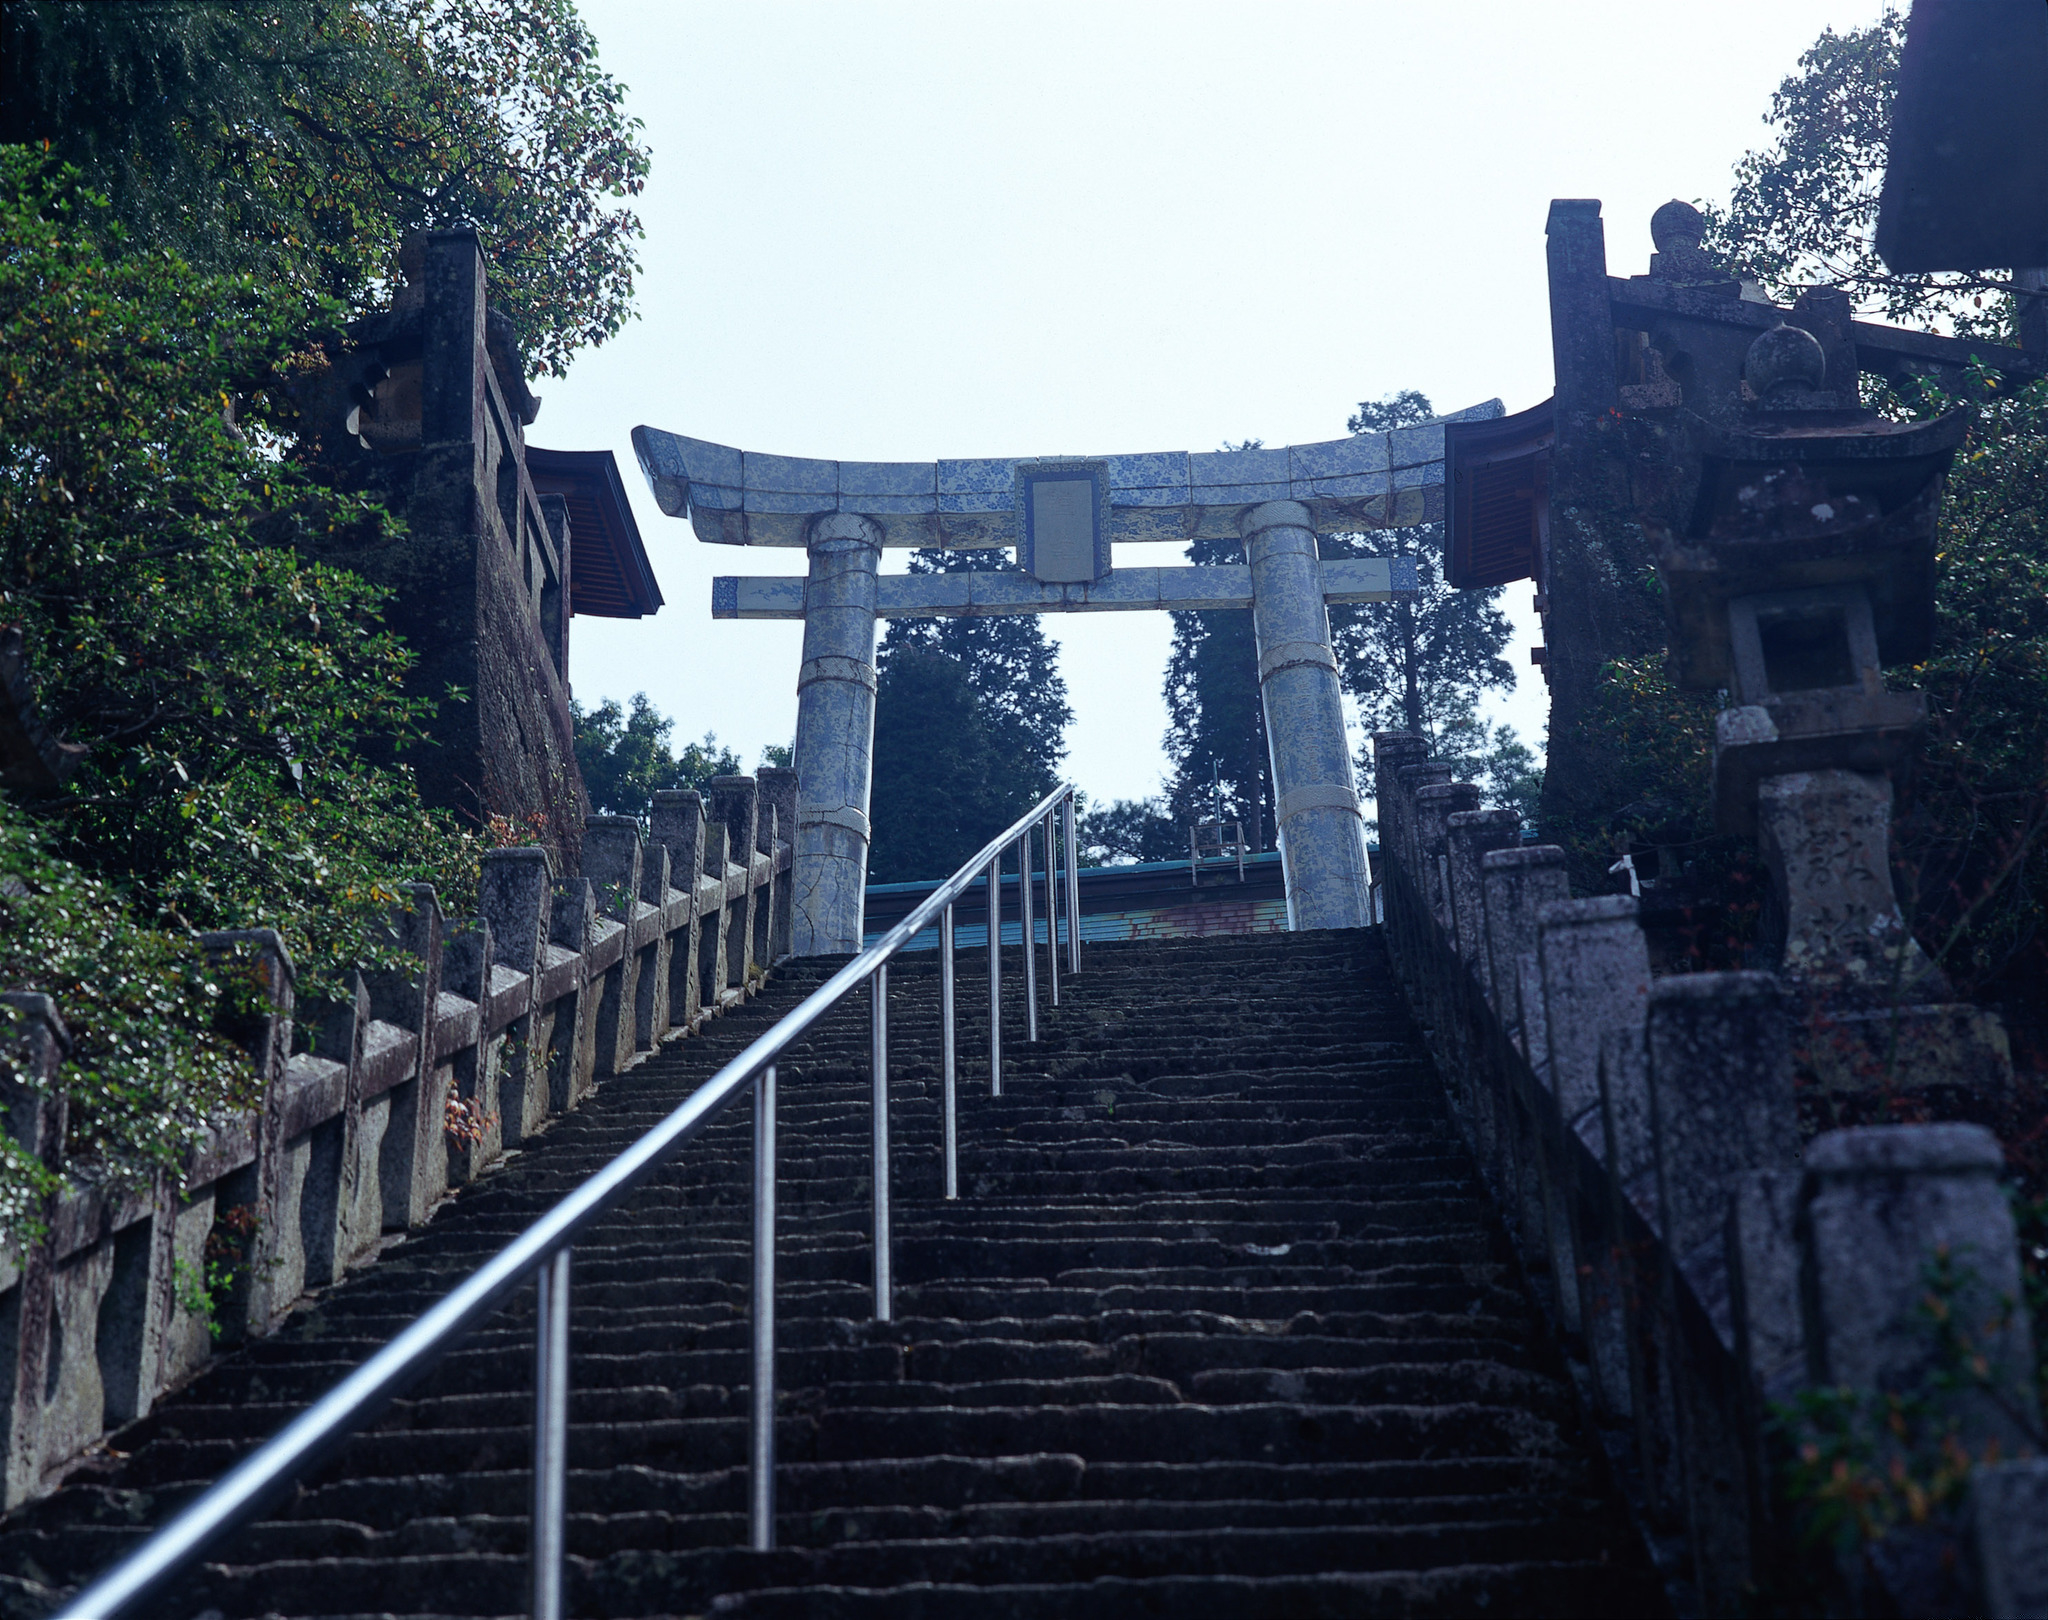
835 735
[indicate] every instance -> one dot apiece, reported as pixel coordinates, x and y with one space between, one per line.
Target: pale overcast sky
899 232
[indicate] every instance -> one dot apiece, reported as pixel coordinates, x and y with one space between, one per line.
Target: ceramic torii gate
1063 515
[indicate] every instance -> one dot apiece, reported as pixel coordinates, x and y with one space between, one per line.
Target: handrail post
1052 909
1073 892
761 1438
995 977
550 1431
1026 929
879 995
949 1064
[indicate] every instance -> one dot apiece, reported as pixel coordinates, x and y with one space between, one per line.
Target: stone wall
375 1109
1704 1264
428 409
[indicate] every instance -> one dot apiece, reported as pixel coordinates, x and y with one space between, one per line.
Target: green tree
224 691
1008 663
1131 830
1975 830
1424 665
625 758
936 796
1803 209
300 140
1215 720
945 783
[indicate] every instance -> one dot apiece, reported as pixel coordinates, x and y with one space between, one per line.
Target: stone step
1223 1323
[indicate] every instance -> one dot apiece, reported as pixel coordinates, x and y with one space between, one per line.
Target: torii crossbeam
1063 515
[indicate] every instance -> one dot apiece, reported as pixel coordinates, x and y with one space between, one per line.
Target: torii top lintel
742 498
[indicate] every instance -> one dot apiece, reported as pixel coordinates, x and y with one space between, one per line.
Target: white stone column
835 735
1322 839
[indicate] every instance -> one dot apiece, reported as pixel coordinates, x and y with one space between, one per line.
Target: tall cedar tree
1215 724
970 728
1424 665
300 140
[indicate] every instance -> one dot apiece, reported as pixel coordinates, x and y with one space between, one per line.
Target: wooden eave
609 574
1497 482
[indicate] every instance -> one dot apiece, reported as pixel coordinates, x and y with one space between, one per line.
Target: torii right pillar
1322 836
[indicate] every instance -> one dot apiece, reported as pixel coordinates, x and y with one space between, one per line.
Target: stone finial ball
1784 354
1677 222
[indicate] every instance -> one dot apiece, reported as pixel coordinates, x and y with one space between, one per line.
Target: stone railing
373 1110
1697 1260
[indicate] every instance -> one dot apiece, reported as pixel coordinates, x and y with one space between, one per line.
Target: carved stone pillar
1322 843
835 734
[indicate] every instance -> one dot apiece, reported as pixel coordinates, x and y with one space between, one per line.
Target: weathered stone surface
1721 1097
1431 809
1518 883
1392 751
2008 1532
1763 1280
1322 839
835 732
1409 781
1886 1210
1471 836
1826 836
1930 1052
1596 977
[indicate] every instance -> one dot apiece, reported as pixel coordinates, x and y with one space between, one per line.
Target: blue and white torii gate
1063 515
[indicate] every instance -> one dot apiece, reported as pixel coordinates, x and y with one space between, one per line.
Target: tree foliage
1803 209
1423 666
300 140
1975 837
625 758
147 1071
1215 721
225 690
1127 830
970 728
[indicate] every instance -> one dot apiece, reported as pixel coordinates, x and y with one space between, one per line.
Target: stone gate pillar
1322 839
835 734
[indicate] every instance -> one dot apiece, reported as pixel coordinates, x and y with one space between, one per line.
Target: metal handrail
542 1251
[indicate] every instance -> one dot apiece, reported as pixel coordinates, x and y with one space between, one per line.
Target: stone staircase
1221 1325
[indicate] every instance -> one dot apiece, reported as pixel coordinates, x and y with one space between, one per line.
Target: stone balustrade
1701 1264
376 1107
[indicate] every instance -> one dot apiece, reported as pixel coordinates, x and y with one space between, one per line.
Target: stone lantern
1804 566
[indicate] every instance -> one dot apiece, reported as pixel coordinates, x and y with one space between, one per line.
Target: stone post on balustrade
1518 883
1722 1108
1471 836
514 896
612 860
1912 1291
778 820
677 823
35 1121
